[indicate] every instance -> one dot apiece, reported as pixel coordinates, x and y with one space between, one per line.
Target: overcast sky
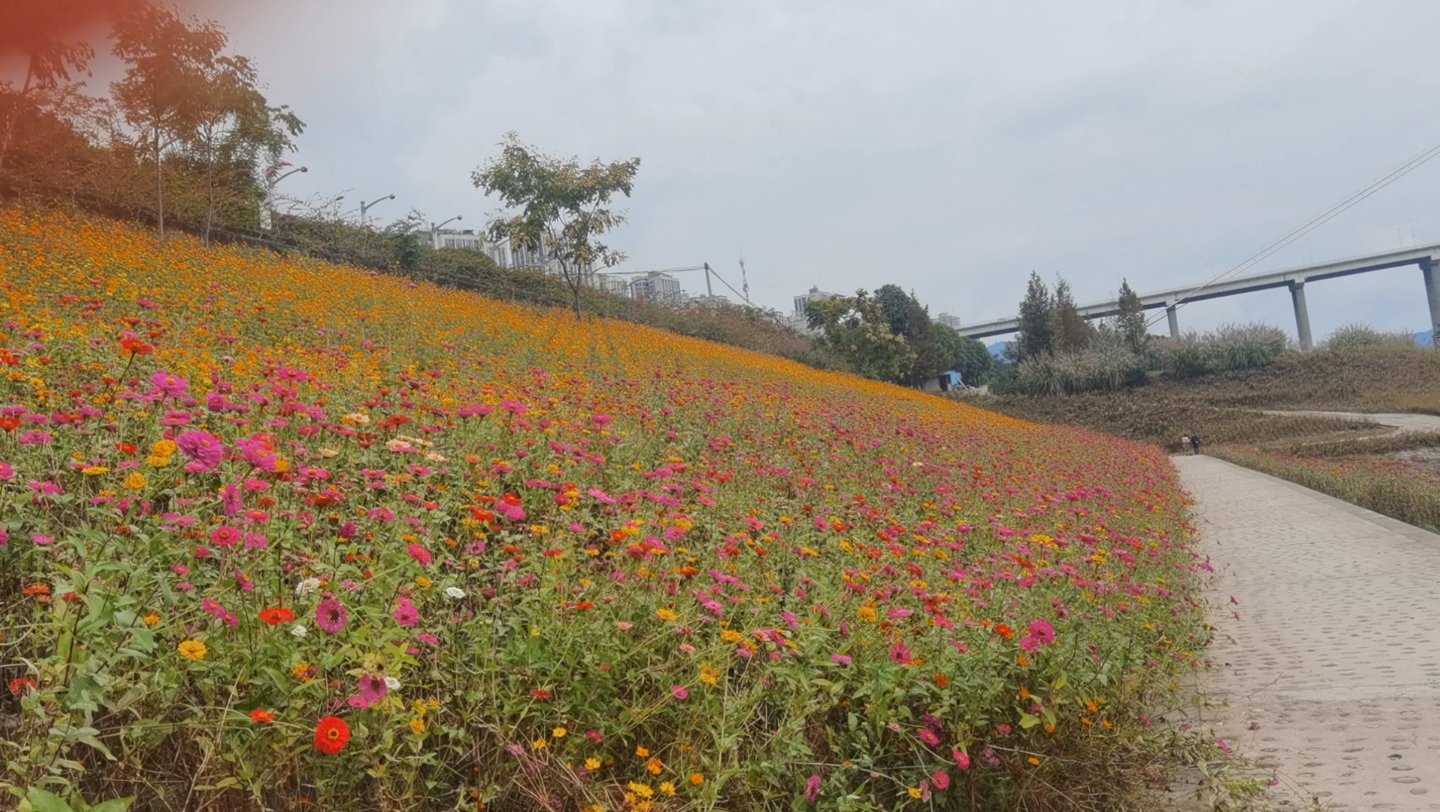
949 147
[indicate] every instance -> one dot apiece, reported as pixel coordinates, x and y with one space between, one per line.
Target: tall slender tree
1036 336
170 61
1072 331
1131 320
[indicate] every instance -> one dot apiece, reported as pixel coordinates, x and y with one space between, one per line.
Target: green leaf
1060 683
42 801
1028 721
113 805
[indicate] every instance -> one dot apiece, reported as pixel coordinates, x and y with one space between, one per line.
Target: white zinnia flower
455 592
299 630
392 683
306 586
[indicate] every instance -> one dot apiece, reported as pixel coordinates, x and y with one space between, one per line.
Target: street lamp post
435 230
265 208
364 207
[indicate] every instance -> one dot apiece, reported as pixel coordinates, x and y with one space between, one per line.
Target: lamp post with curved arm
435 230
266 212
364 207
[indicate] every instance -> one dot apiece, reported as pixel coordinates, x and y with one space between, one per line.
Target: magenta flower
43 541
170 385
4 537
900 654
940 780
203 448
7 472
840 658
331 616
407 615
258 454
373 688
225 537
812 789
679 692
256 541
928 736
421 555
1042 631
961 759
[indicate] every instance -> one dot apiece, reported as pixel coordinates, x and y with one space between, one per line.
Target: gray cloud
947 147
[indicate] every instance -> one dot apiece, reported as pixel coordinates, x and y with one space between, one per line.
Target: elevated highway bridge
1427 257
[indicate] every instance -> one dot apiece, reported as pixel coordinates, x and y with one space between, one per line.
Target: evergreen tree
1131 320
1072 331
1037 323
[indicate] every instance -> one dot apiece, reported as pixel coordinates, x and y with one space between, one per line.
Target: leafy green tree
1072 331
910 320
234 129
967 356
47 33
169 62
1036 336
1131 320
564 207
857 329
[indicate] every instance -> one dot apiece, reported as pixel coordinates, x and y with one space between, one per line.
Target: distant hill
997 350
1425 339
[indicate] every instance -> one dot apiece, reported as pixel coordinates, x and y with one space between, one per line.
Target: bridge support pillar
1428 268
1302 313
1173 319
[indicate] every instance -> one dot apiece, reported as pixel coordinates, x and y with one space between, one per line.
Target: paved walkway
1404 422
1327 661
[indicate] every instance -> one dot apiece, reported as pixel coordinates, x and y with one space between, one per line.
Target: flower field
279 534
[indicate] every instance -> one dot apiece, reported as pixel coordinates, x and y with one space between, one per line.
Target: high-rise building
948 320
612 283
656 287
815 295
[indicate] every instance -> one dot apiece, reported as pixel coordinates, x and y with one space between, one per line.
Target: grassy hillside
280 534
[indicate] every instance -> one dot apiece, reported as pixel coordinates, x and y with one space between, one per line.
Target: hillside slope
279 533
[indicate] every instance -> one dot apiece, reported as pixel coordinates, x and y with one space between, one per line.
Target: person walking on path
1195 443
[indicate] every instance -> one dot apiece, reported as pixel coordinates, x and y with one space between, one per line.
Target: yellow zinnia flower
192 650
135 481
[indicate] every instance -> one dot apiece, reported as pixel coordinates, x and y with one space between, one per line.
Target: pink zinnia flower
812 789
7 472
256 541
940 780
407 615
900 654
203 448
1042 632
225 537
420 554
373 688
43 541
929 737
679 692
171 385
961 759
331 616
840 658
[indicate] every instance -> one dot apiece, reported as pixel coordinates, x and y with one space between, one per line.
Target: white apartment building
815 295
948 320
611 283
656 287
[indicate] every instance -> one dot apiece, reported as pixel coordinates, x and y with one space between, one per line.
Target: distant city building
815 295
710 300
611 283
656 287
948 320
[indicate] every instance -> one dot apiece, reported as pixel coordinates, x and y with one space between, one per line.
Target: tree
1036 336
235 130
47 34
1072 331
565 208
967 356
857 329
910 320
170 63
1131 319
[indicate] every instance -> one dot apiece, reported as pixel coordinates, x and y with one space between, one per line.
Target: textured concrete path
1404 422
1328 658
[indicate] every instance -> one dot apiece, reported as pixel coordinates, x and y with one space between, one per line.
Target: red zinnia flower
540 694
261 716
277 615
21 685
331 735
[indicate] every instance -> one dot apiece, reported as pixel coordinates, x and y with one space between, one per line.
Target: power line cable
1310 225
